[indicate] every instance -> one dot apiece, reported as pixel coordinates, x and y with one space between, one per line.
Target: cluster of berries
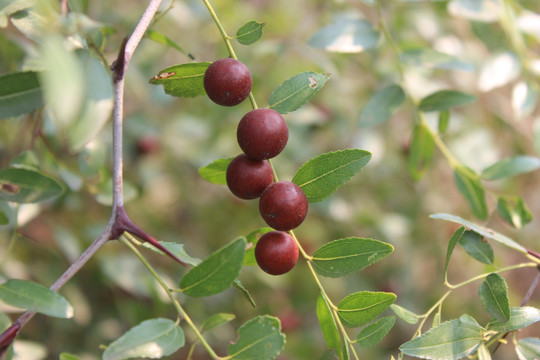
262 134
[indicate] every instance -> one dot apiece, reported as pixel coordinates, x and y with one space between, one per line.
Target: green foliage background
173 203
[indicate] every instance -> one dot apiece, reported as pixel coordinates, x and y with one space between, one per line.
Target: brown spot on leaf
10 189
313 83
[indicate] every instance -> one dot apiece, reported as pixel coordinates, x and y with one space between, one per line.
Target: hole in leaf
313 83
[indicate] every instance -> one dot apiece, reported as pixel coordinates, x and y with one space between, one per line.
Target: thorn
119 65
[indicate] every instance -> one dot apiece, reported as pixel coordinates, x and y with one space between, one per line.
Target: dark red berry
227 82
276 252
262 133
283 205
247 178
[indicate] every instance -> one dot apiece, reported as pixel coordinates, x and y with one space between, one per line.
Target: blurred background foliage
168 139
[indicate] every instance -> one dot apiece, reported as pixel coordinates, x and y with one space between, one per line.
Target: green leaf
451 246
176 249
184 80
216 273
162 39
249 256
35 297
404 314
524 99
468 183
20 93
382 105
296 91
514 211
347 34
27 186
346 256
445 100
477 10
475 245
249 33
68 356
322 175
153 339
483 352
362 307
328 326
260 338
509 167
4 219
528 349
494 297
485 232
238 285
450 340
375 332
434 59
216 171
421 151
216 320
25 160
520 317
444 120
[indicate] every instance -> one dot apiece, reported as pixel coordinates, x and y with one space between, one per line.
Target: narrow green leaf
375 332
436 320
483 352
444 120
35 297
404 314
27 186
153 339
260 338
184 80
468 183
348 33
177 249
494 297
238 285
451 246
382 105
296 91
249 33
510 167
328 326
485 232
324 174
434 59
162 39
445 100
216 273
475 245
450 340
514 211
528 349
362 307
68 356
520 317
4 220
421 151
216 171
20 93
25 160
346 256
216 320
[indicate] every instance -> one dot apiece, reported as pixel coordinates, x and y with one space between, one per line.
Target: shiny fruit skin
276 252
227 82
262 134
247 178
283 205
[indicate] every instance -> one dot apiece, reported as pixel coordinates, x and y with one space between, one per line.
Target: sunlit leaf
524 99
25 160
510 167
249 33
35 297
324 174
528 349
470 186
520 317
444 120
382 105
328 326
444 100
260 338
483 352
375 332
433 59
346 256
238 285
421 151
498 71
477 10
347 34
184 80
217 272
68 356
362 307
494 297
216 171
20 93
477 247
296 91
514 211
152 339
162 39
404 314
27 186
216 320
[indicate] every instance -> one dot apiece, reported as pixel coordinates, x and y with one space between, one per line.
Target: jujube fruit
247 178
262 133
227 82
276 252
283 205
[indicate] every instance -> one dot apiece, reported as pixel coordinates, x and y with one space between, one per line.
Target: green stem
501 270
126 240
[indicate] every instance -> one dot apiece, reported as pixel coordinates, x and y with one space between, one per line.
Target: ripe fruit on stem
283 205
227 82
276 252
247 178
262 133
